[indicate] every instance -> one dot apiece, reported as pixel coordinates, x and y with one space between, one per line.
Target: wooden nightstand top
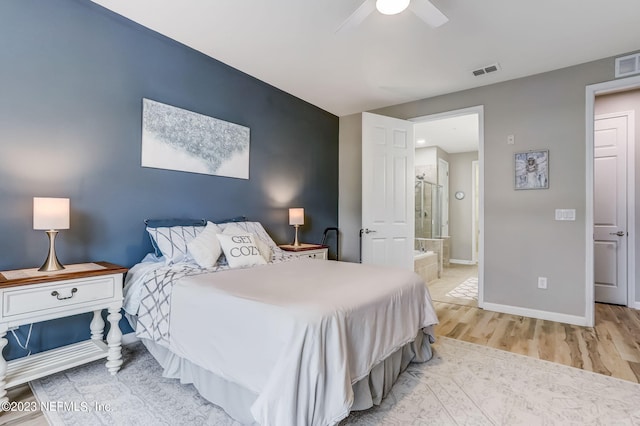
302 247
20 277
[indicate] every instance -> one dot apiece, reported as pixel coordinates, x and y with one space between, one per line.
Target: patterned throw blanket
154 313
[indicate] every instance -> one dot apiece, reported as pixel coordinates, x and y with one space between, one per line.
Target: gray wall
522 239
73 76
460 212
627 101
427 157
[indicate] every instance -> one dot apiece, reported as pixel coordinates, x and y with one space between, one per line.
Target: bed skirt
236 400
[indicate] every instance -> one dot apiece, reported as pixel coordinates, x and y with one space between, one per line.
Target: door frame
479 109
475 166
592 90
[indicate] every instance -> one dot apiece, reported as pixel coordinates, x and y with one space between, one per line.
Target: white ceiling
387 60
452 134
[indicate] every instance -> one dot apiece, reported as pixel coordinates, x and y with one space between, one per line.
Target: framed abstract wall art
177 139
532 170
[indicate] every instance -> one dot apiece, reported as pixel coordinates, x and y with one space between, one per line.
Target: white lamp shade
391 7
50 213
296 216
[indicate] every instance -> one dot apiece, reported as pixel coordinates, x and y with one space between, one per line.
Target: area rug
464 384
468 289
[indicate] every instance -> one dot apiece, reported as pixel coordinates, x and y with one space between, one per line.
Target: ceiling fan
424 9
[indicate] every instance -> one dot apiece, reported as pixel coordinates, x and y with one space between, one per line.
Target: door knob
619 233
369 231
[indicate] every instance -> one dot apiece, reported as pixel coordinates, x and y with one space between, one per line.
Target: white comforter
298 333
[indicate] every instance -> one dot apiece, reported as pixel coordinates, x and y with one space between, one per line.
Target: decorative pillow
205 247
240 250
168 223
252 228
263 247
232 229
172 241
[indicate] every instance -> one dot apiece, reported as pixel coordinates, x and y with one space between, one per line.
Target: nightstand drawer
315 254
41 298
311 251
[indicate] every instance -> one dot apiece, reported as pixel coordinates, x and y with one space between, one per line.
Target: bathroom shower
428 198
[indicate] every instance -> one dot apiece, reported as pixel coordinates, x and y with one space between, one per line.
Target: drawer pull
57 295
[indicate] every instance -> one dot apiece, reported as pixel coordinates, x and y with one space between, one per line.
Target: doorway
387 234
617 88
449 153
613 143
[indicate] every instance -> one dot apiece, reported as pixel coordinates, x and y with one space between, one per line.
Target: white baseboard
534 313
129 338
462 262
634 305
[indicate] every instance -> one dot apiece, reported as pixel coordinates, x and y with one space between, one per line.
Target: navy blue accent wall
72 79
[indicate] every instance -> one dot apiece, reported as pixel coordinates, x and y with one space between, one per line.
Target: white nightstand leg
114 337
3 365
97 326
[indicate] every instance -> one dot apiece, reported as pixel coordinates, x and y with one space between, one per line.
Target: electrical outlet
542 282
511 139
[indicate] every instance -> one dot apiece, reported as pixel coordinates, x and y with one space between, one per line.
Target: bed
286 341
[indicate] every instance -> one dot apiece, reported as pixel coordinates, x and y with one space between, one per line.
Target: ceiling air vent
628 65
486 70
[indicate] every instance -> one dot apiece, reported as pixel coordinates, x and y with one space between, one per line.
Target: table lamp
296 218
51 214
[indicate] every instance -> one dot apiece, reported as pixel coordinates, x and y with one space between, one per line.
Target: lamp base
296 243
51 264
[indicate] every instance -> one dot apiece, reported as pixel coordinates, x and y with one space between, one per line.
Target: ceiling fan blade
428 13
358 16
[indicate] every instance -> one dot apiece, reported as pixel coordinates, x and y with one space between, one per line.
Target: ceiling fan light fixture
391 7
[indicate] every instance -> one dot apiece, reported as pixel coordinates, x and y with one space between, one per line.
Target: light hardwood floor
22 393
612 347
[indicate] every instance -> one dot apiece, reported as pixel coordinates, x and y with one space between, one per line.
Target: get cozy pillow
240 250
205 247
263 247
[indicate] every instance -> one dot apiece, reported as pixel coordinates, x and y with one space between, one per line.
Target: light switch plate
566 214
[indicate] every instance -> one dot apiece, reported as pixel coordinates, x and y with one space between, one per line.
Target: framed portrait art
532 170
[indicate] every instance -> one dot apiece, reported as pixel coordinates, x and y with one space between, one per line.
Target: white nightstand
314 251
28 296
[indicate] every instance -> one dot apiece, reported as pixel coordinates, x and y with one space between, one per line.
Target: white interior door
387 191
610 208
